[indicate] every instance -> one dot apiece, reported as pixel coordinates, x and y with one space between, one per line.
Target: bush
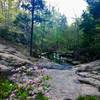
6 87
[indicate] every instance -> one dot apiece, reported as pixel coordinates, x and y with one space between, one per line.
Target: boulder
12 60
89 67
4 70
11 64
90 81
89 73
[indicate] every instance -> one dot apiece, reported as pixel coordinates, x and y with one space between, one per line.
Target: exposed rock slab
65 85
89 73
14 65
93 66
12 60
5 70
91 81
69 84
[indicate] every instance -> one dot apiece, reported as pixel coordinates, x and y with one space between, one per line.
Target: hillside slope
20 69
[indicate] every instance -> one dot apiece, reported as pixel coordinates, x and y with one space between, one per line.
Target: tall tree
35 7
31 42
88 27
94 7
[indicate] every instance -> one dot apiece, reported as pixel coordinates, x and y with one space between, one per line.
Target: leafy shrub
6 87
41 96
22 94
34 88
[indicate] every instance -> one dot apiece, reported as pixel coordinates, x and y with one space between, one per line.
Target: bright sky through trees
71 8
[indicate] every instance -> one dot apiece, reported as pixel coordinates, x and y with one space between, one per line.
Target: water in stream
61 62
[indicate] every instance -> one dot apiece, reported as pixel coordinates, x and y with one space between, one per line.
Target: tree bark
32 29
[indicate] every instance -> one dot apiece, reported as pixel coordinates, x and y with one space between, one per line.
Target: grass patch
22 94
40 96
6 87
88 98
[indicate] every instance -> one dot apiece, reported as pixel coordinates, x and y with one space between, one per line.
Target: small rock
94 72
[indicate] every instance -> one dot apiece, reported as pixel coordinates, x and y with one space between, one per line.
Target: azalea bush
34 88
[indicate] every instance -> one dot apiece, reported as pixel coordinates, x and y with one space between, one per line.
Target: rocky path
65 85
68 84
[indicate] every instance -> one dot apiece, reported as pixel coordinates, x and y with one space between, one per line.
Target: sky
70 8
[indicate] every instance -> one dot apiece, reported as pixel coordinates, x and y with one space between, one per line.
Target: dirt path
65 86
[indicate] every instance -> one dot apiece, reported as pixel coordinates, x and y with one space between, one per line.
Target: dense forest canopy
91 27
51 29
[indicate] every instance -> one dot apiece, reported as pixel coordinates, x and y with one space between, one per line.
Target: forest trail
65 85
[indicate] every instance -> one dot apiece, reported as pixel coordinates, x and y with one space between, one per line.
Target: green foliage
51 31
96 47
23 21
40 96
14 91
46 78
88 98
6 87
94 8
88 23
1 18
22 94
88 26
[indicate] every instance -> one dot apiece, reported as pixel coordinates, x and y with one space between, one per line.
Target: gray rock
12 60
93 66
4 70
90 81
89 73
